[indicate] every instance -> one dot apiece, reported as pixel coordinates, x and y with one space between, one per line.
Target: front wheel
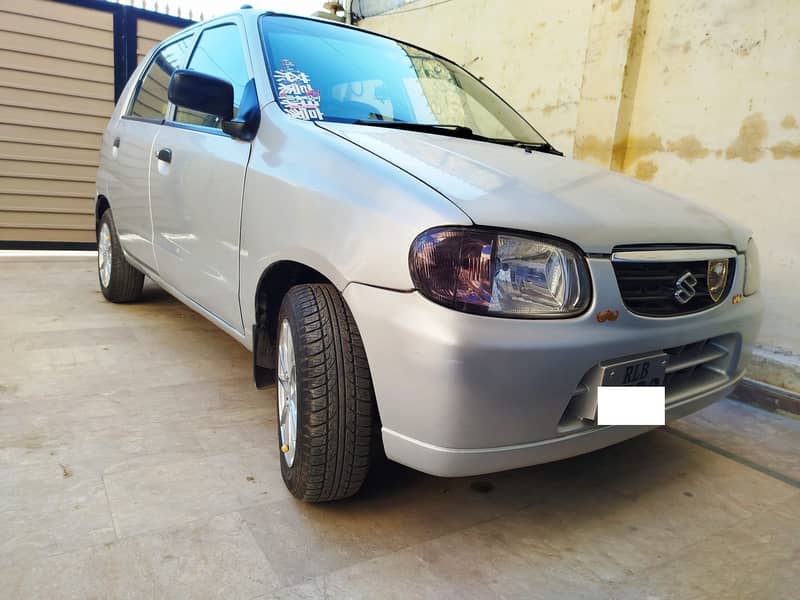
119 281
326 404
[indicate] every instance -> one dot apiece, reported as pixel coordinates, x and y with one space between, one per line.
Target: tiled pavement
137 460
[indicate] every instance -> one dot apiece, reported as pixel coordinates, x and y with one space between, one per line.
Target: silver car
411 263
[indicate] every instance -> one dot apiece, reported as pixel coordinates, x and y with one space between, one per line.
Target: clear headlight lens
752 269
495 273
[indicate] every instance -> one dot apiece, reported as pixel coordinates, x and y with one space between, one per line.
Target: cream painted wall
715 119
547 42
697 97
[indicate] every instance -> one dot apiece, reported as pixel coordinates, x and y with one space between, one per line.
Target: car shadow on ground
622 465
153 294
627 504
652 481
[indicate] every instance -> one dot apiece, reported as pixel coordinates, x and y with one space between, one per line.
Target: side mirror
245 125
201 92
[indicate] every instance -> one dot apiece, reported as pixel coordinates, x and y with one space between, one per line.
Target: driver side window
218 53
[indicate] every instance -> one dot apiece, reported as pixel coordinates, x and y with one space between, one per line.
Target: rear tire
119 281
334 399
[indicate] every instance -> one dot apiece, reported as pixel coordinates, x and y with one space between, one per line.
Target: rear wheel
119 281
326 406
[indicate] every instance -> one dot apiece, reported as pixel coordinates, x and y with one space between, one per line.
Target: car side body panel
196 202
122 174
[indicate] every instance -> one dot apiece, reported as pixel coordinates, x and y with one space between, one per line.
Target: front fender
317 199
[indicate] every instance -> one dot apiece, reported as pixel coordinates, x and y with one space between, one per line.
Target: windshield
327 72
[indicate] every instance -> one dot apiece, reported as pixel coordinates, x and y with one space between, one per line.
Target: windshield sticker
295 93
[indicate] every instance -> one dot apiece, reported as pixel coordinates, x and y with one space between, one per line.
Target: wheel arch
272 286
101 205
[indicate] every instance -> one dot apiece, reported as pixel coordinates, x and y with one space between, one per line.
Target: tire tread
337 400
126 282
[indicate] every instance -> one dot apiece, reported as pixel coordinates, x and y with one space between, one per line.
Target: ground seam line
117 535
735 457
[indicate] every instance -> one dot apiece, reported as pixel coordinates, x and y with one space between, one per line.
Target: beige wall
697 97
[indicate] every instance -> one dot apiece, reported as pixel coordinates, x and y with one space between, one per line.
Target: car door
132 143
196 180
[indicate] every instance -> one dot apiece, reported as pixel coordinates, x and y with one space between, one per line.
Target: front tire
119 281
326 404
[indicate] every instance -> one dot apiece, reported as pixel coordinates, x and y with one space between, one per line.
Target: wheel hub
104 255
287 393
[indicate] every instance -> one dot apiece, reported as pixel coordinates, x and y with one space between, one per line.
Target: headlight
752 269
494 273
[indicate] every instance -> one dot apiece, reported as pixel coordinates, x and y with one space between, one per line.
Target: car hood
502 186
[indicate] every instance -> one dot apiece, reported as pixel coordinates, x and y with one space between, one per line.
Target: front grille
693 369
648 288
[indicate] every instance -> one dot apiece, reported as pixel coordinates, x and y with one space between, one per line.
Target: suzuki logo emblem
685 287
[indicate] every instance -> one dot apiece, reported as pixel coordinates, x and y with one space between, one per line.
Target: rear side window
151 97
218 53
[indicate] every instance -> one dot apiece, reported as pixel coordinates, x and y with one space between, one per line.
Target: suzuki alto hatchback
410 262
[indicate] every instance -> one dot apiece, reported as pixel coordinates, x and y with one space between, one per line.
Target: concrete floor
137 460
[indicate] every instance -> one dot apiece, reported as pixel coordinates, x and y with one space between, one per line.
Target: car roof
253 13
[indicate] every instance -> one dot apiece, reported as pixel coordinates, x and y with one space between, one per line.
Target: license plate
648 370
630 405
619 402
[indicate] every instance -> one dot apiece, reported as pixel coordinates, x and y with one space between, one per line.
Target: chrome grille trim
672 255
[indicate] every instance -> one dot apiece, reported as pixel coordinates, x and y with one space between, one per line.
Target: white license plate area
632 392
630 405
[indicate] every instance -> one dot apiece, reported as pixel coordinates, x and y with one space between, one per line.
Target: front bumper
462 394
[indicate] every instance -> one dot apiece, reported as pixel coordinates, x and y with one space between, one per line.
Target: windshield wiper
442 128
538 147
461 131
528 146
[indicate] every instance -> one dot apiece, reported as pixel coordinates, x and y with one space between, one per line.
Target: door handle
116 142
165 154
